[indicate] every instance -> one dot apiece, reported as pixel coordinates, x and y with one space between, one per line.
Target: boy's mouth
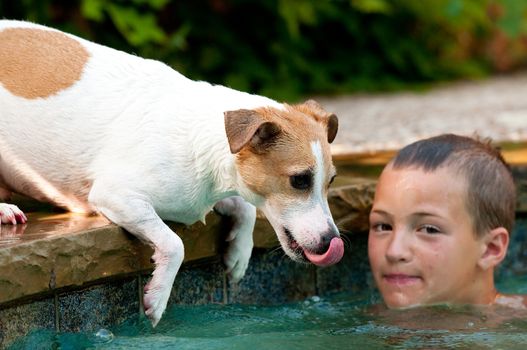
401 279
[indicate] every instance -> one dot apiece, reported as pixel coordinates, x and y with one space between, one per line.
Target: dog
96 130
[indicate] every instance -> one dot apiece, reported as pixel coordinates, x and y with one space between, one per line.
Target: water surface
339 322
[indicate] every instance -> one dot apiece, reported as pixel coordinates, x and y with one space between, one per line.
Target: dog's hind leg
9 213
133 211
240 237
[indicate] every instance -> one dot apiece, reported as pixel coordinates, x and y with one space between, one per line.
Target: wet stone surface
17 321
273 278
351 274
199 283
45 225
98 307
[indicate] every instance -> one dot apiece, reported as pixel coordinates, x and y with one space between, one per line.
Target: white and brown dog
93 129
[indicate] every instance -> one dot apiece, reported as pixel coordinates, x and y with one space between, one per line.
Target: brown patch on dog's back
38 63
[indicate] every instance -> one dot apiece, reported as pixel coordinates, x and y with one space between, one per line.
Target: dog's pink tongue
332 256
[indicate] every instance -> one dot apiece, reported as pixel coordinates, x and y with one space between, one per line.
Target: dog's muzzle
328 253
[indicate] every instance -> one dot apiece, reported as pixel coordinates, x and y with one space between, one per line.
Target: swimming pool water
339 322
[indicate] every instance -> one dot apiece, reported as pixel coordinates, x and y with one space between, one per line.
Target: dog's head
284 160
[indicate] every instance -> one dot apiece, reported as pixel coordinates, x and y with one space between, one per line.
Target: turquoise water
338 322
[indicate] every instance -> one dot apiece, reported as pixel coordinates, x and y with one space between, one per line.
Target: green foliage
288 48
138 28
513 21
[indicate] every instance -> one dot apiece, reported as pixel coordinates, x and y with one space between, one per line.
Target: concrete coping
514 153
380 123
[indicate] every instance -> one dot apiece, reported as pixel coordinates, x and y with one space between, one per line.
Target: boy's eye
429 229
301 181
381 227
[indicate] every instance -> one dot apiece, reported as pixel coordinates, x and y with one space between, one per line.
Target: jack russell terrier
93 129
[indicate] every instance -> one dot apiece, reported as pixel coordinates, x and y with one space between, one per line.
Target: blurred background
288 49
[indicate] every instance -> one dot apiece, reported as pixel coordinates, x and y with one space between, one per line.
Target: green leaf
155 4
178 39
296 13
372 6
513 21
93 9
138 28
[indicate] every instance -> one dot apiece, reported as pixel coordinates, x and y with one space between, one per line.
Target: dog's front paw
155 301
157 290
236 267
237 259
10 214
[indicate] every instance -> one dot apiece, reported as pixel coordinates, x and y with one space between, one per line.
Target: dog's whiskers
344 235
276 250
342 230
347 241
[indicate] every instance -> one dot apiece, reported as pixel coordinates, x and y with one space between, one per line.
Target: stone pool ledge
52 265
57 251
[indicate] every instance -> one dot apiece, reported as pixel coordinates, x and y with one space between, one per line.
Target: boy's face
421 246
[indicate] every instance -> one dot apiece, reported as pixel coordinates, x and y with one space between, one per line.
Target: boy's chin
405 303
401 302
392 306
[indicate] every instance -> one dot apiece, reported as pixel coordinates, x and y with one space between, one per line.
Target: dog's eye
332 179
301 181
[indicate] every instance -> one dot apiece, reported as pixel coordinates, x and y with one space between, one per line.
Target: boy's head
440 222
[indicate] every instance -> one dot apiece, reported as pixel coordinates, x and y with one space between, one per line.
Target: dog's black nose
325 240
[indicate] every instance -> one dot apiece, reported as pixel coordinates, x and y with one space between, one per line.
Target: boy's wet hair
491 197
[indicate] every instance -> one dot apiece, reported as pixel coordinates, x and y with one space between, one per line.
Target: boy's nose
399 248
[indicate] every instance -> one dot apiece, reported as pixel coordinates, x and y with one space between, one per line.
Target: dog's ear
333 126
245 126
313 105
331 120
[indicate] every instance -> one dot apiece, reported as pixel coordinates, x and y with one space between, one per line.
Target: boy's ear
495 245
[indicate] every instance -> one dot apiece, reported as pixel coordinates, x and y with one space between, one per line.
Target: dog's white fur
140 143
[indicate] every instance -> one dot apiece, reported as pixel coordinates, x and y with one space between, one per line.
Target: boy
440 223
